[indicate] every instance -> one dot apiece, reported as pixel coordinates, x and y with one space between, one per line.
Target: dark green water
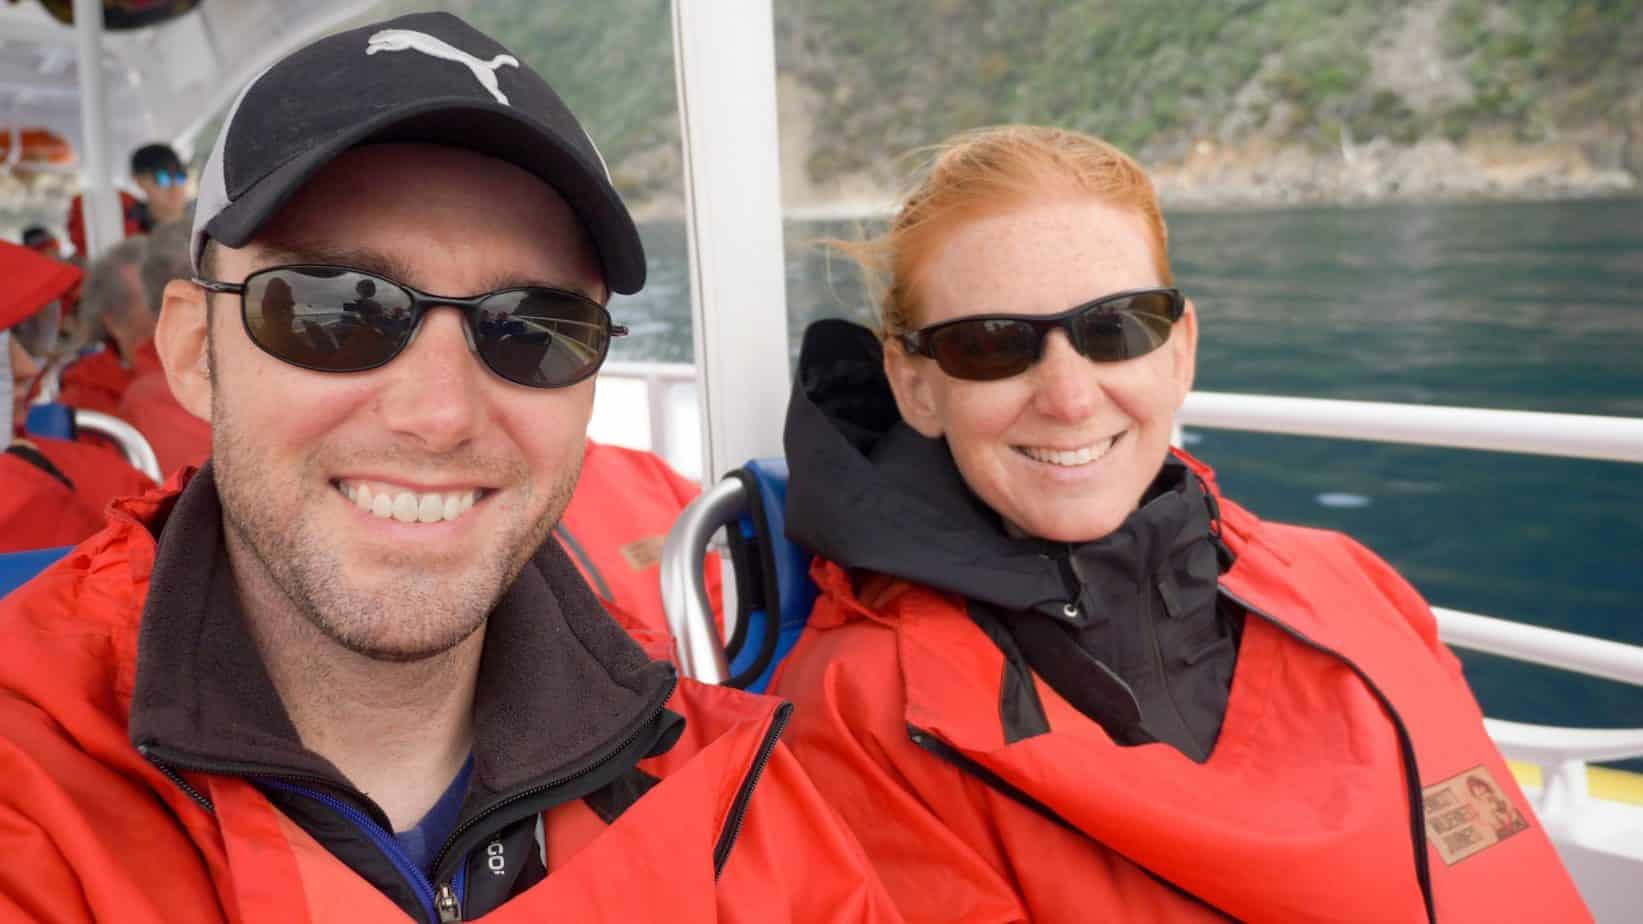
1535 306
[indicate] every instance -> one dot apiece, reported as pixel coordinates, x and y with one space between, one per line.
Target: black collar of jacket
867 491
560 684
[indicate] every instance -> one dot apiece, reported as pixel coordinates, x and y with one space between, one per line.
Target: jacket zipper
422 885
1406 747
738 808
433 904
946 752
535 791
177 779
448 901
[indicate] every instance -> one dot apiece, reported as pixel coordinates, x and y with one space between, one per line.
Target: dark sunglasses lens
985 349
542 338
333 320
1125 328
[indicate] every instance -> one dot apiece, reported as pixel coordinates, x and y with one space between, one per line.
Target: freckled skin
434 415
1042 259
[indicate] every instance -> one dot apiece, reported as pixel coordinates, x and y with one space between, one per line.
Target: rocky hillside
1234 102
1259 101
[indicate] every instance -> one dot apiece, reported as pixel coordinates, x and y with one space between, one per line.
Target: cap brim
493 129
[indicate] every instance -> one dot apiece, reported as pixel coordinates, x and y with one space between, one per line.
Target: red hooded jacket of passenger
1053 675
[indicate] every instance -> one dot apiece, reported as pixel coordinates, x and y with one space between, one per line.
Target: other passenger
117 321
163 179
178 438
52 492
1053 675
625 502
342 673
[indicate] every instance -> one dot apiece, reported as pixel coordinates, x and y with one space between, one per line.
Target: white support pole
725 58
99 200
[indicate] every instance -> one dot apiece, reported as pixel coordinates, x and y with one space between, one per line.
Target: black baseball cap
425 77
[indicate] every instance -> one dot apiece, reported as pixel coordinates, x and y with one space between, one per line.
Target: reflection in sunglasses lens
1110 330
985 349
337 320
330 320
540 337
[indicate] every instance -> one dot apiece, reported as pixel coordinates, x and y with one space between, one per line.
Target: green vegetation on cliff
881 77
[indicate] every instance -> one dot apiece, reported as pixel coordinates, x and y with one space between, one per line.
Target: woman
1052 675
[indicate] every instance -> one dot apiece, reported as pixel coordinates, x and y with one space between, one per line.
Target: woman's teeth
389 502
1069 457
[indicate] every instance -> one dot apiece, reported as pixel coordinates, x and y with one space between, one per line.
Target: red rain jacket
38 511
92 831
133 219
1304 811
177 437
625 502
97 381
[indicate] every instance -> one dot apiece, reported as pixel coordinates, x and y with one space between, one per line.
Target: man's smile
389 501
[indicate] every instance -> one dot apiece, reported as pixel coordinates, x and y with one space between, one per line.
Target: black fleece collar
559 681
867 491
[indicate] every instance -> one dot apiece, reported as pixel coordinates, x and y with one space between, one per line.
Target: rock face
1259 174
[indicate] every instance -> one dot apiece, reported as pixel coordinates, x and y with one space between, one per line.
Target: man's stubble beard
427 614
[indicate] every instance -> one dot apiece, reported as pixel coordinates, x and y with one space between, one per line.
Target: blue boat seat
772 588
60 421
52 420
18 568
774 593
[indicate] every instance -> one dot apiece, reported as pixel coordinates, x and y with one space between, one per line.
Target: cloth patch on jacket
642 553
1468 813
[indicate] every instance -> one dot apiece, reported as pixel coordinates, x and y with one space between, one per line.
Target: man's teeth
1070 457
389 502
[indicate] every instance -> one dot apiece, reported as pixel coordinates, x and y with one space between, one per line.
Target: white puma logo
483 71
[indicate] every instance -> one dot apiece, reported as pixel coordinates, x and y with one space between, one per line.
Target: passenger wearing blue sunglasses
163 178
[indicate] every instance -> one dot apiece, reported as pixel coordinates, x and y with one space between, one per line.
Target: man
342 673
113 315
54 490
163 179
177 437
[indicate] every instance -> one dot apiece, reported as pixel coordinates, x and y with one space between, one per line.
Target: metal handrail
1552 745
657 379
1581 654
696 640
133 445
1580 436
639 369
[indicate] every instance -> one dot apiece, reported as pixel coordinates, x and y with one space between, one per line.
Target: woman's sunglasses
336 319
1110 329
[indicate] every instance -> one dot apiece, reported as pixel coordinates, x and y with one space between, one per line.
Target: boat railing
1561 753
622 383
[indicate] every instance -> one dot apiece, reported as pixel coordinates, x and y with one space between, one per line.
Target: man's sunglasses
167 178
1110 329
336 319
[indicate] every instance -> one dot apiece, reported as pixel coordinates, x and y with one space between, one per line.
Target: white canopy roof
163 83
